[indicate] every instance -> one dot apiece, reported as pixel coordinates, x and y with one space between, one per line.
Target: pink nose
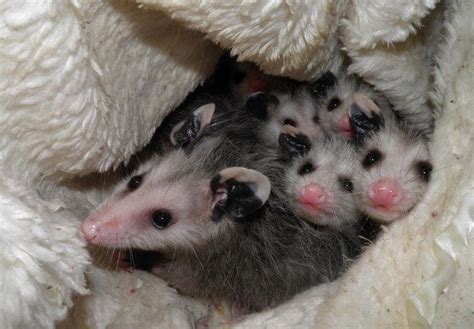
313 195
345 127
89 228
385 193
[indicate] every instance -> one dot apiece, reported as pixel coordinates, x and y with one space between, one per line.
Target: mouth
346 134
381 208
384 214
310 209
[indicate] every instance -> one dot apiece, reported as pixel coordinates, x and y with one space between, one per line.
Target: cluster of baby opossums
386 161
253 201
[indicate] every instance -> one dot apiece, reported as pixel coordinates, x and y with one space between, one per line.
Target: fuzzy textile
84 84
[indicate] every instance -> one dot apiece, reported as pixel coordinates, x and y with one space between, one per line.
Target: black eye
135 182
424 168
316 119
346 184
289 122
306 169
372 158
333 104
161 219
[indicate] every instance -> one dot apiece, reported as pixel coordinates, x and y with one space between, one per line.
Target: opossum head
319 181
393 164
296 109
333 108
180 200
161 208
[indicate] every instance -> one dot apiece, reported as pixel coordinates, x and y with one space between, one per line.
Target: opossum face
334 107
320 183
392 169
280 109
161 208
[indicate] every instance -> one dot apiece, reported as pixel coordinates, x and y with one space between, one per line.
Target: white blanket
84 84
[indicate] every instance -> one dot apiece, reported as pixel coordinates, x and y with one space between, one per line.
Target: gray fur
402 148
262 260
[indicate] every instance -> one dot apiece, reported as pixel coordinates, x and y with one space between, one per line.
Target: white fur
399 281
370 22
379 36
125 300
83 87
332 160
42 259
300 108
400 155
348 90
290 38
67 78
46 99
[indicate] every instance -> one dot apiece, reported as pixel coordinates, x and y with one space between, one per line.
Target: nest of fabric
84 86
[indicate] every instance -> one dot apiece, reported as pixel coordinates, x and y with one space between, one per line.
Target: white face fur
298 111
391 173
152 210
177 202
333 108
320 184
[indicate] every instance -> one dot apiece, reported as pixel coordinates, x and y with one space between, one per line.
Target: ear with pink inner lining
239 192
293 141
364 117
185 132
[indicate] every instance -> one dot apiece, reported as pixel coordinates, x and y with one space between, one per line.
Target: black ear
188 130
320 87
293 141
239 192
260 103
364 117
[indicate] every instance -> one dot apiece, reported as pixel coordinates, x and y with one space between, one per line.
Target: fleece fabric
84 85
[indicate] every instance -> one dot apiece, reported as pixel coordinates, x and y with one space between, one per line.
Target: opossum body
183 205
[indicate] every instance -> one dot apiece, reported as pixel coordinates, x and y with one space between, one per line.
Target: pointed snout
90 228
385 193
98 227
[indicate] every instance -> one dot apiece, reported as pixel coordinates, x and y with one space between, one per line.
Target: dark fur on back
272 254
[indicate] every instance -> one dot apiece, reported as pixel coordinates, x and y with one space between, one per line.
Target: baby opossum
336 98
393 163
319 180
289 103
209 209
